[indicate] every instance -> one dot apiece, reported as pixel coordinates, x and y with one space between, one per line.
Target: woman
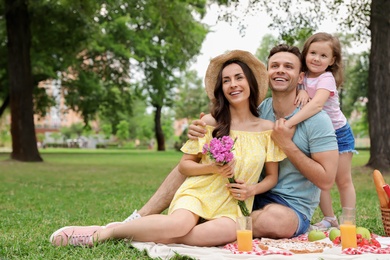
236 83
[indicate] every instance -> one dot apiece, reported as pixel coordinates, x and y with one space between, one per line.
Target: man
311 149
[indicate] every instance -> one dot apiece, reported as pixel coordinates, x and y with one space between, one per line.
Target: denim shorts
345 139
262 200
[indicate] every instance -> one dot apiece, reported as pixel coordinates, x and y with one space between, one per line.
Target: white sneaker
133 216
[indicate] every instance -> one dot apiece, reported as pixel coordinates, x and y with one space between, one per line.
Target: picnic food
363 238
315 235
293 245
334 232
364 232
379 183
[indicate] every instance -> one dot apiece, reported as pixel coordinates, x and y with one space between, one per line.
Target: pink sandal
326 223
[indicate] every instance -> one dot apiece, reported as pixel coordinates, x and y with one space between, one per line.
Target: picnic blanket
230 252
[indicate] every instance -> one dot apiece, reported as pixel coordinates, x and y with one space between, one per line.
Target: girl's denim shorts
345 139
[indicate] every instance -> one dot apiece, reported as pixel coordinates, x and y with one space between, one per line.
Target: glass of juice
244 233
348 228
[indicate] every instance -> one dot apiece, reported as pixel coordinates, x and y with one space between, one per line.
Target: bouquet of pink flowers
220 150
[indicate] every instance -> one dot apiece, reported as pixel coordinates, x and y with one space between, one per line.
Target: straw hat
258 69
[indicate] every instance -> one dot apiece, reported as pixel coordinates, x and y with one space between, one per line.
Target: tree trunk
24 143
379 86
158 129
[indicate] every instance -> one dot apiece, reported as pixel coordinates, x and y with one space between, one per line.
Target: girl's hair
337 67
220 105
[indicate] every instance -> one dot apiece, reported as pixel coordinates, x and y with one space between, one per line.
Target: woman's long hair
220 105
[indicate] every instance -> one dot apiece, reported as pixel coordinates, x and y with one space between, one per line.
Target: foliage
107 130
191 98
56 136
66 132
106 49
175 38
141 122
181 140
356 82
48 54
360 123
367 20
266 44
99 79
123 131
5 136
73 131
167 123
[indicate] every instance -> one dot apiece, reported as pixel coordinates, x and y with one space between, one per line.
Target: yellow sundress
207 195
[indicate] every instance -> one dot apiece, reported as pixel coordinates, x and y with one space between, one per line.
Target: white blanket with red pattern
211 253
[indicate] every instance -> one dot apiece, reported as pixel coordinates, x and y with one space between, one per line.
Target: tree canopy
366 20
104 52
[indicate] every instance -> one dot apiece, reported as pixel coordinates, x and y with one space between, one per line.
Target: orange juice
348 236
244 240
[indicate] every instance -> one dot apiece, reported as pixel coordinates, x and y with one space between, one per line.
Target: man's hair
285 48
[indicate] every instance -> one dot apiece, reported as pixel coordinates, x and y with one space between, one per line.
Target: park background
96 97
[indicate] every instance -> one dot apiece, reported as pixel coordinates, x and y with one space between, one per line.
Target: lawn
84 187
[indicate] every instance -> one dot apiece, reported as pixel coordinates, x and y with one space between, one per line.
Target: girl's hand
240 190
226 171
302 98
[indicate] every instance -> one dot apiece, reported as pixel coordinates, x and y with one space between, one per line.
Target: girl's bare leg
344 181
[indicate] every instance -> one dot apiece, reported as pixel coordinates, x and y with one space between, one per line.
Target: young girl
322 64
236 83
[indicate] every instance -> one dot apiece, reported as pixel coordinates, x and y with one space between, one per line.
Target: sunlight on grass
84 187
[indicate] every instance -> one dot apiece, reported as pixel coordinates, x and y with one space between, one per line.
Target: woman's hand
240 190
226 170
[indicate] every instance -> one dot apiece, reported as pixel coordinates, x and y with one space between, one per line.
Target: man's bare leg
274 221
160 199
164 194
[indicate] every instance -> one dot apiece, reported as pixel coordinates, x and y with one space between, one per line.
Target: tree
24 145
379 85
356 82
141 122
106 130
176 37
98 82
191 98
366 19
266 44
28 25
95 58
56 136
123 131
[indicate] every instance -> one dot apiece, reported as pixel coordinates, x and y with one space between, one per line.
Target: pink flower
220 150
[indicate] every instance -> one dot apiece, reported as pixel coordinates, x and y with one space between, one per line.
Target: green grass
84 187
